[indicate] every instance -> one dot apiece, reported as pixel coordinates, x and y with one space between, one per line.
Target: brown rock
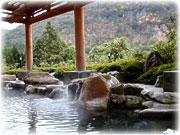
95 94
9 77
40 78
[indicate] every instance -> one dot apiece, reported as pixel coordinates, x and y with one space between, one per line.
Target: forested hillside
138 22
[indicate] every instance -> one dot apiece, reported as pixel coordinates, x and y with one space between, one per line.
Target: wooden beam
9 7
54 12
28 8
79 38
57 11
29 55
13 20
3 12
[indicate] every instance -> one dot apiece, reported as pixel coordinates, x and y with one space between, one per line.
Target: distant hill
139 22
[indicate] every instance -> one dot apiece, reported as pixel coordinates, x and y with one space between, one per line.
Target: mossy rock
150 76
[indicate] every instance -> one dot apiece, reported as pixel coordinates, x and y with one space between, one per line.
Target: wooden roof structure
29 12
34 11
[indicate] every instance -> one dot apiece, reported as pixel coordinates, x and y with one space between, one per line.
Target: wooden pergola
29 12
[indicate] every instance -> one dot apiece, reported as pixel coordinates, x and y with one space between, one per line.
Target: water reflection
23 114
32 115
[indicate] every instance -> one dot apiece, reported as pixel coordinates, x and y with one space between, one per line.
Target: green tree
118 48
11 55
49 48
168 50
99 53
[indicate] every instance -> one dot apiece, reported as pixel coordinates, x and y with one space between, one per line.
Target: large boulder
95 94
166 97
153 104
132 89
111 80
152 60
158 113
170 81
8 77
162 97
40 78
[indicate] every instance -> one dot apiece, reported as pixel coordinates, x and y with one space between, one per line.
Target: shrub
130 70
150 76
59 71
45 69
13 71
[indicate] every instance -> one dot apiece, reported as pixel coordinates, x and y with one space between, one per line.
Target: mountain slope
139 22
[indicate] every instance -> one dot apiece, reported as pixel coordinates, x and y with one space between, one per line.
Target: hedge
131 68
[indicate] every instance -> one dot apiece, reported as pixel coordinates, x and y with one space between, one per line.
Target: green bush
150 76
130 69
45 69
121 66
13 71
59 71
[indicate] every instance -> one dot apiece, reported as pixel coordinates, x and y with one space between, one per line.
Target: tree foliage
168 50
49 48
11 55
118 48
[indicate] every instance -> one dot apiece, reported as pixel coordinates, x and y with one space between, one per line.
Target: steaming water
23 114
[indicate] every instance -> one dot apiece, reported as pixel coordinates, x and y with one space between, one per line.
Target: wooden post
79 38
29 58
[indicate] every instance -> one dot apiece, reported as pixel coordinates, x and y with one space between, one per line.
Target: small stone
147 94
30 89
130 89
133 102
159 81
117 89
114 73
118 99
147 104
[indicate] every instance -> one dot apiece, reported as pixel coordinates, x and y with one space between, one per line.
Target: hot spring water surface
23 114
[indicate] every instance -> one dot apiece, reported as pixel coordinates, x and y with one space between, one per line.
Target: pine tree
49 48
